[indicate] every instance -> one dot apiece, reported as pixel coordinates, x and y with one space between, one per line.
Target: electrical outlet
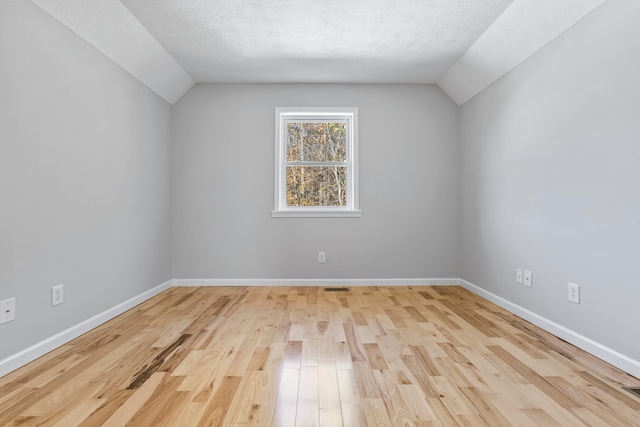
574 293
7 310
528 279
321 257
519 275
57 295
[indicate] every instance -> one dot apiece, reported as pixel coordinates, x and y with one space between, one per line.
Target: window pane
316 186
316 142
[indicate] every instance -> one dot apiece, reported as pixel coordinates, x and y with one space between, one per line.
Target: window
316 170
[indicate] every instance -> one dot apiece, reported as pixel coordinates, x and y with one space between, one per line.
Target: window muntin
316 162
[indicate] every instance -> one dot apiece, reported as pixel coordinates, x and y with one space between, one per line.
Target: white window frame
282 116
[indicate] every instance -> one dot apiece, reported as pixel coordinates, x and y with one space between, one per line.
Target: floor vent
336 289
634 390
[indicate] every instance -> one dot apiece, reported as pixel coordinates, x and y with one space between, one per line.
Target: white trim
30 354
316 214
316 282
603 352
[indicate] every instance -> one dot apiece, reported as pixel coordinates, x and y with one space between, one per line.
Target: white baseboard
315 282
605 353
27 355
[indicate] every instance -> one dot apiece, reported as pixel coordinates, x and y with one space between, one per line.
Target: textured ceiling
462 45
400 41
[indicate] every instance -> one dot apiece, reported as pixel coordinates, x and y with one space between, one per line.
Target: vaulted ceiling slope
462 45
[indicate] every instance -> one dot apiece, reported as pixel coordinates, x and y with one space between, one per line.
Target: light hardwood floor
282 356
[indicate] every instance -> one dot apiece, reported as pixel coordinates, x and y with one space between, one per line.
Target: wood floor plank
536 379
106 409
254 392
300 356
219 404
132 405
376 413
350 400
487 411
396 408
416 403
307 411
287 398
453 400
328 391
375 357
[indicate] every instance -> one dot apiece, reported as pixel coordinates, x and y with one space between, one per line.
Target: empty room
319 213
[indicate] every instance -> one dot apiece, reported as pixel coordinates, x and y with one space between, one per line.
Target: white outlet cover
519 275
57 295
528 279
7 310
574 293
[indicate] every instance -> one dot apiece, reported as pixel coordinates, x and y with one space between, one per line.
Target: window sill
316 214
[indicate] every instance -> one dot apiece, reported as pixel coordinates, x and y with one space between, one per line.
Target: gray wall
223 165
546 175
84 179
551 179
